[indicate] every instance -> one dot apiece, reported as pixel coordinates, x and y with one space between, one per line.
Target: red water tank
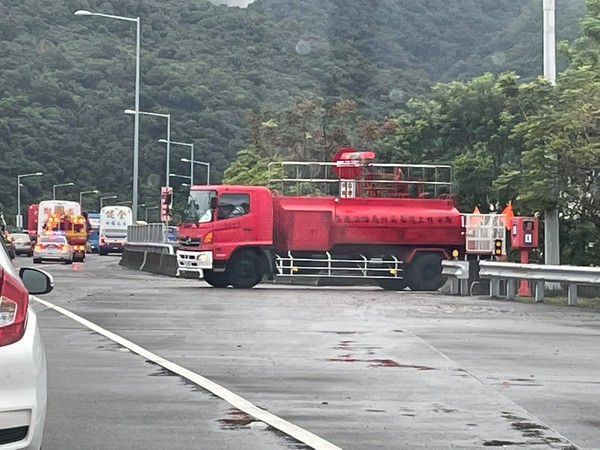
320 223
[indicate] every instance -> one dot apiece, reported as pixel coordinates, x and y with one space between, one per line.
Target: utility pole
551 226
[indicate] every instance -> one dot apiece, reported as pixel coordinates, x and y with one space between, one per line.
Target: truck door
234 218
236 224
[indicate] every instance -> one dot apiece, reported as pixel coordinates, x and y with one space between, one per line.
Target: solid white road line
300 434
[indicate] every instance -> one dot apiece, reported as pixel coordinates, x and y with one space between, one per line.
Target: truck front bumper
193 261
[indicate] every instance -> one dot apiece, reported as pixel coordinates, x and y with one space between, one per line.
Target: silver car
52 248
23 244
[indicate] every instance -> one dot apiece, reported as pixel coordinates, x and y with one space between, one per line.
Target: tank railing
149 233
375 268
371 180
481 230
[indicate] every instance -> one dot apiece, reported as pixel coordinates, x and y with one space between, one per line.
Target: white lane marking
300 434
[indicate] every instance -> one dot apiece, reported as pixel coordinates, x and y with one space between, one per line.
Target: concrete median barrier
152 262
133 257
154 258
168 265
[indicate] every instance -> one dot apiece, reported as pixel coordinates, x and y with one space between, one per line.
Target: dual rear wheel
423 273
243 271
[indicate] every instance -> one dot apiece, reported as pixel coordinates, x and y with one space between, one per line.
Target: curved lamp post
19 222
168 117
192 162
179 176
59 185
105 198
82 193
136 126
146 211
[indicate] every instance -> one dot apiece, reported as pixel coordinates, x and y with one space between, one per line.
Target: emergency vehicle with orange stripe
64 217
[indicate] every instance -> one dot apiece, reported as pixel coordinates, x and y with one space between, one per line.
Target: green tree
467 125
305 131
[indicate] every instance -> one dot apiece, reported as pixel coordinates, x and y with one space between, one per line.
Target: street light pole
95 191
136 126
549 41
191 160
19 221
551 220
168 117
146 212
106 198
179 176
207 164
59 185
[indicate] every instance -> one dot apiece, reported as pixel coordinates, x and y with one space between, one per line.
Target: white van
114 221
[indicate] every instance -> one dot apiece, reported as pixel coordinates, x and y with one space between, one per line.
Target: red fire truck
351 218
32 219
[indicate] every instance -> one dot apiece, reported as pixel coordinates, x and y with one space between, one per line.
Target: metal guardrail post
457 273
511 289
540 287
454 286
464 287
572 295
495 287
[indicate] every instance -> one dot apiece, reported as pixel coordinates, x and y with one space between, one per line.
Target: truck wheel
391 285
216 279
424 273
244 269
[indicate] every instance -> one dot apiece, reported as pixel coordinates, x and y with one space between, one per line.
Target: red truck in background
390 223
32 220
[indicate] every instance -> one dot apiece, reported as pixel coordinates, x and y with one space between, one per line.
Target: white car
22 357
52 247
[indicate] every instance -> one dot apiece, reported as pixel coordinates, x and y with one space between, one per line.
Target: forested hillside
66 80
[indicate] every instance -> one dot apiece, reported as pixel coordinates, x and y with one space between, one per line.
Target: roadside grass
584 302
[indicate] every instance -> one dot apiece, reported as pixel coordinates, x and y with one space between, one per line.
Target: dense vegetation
507 140
364 71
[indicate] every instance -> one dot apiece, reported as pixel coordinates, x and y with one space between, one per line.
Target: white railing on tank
147 233
374 180
380 268
481 230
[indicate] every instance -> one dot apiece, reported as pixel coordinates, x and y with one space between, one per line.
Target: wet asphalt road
361 368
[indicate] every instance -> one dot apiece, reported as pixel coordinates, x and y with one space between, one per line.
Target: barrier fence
460 274
151 233
573 276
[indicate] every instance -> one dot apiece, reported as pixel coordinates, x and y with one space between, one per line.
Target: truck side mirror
213 203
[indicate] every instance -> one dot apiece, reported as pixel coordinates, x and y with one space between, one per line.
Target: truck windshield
198 207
